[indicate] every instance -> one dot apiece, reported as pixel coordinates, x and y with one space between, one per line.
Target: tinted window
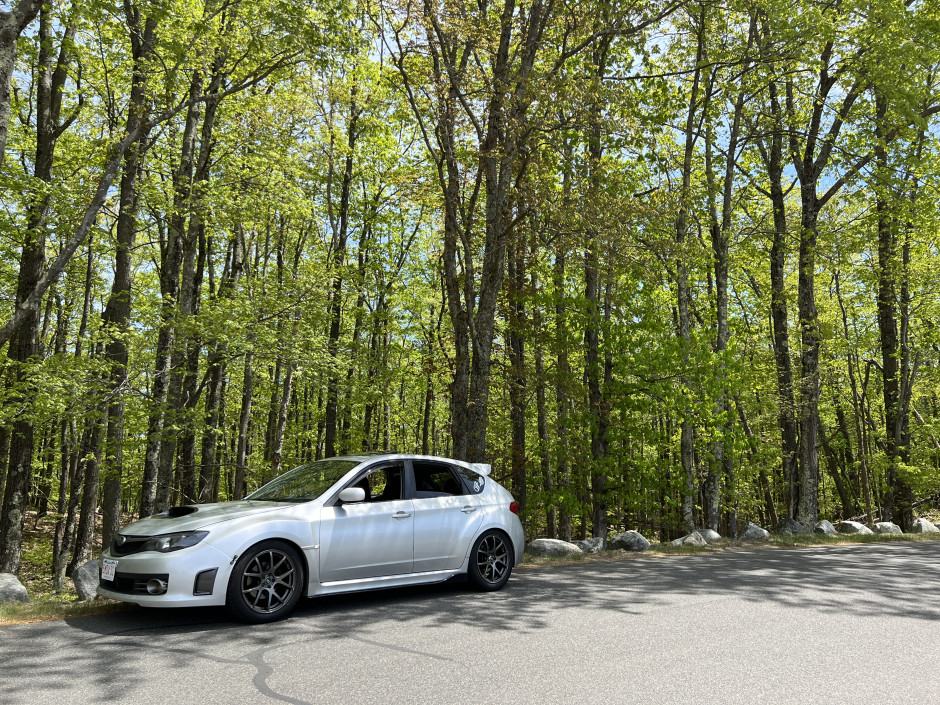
304 483
382 484
435 480
473 480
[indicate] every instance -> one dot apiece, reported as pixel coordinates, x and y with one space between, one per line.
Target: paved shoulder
833 623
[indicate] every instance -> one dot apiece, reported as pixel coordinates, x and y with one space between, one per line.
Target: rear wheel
491 560
266 583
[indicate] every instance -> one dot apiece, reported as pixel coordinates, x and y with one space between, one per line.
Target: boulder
791 527
752 532
551 547
693 539
887 527
853 527
922 526
11 589
630 541
592 545
709 534
825 527
85 578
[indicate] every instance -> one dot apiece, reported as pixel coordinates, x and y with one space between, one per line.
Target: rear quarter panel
495 501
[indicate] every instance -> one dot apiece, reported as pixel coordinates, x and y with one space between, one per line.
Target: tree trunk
541 413
279 432
340 228
12 24
683 295
244 420
209 471
786 405
24 346
899 498
158 483
116 317
190 306
722 462
91 459
807 510
562 380
517 384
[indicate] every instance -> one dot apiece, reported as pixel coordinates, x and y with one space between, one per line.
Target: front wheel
491 561
266 583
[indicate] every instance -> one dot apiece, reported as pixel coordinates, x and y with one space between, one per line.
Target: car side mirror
352 494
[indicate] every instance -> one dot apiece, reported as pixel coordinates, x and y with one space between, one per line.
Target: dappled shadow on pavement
886 580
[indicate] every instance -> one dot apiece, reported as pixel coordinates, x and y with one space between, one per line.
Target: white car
338 525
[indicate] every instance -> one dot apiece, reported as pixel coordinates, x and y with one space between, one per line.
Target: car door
373 538
446 516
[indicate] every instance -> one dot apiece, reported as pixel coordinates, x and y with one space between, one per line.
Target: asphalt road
837 624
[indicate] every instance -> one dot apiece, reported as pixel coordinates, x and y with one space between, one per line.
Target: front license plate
108 568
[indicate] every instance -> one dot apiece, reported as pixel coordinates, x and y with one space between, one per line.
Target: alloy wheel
269 581
493 558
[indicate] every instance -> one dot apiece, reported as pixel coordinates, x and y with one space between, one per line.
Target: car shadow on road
886 580
861 580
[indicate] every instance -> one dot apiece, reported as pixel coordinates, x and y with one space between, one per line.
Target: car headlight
174 542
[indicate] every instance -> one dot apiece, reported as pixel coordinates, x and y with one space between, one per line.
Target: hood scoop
174 512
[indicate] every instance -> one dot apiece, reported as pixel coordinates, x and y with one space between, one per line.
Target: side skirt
380 583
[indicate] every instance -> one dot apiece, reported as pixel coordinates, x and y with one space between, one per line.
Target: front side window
435 480
383 484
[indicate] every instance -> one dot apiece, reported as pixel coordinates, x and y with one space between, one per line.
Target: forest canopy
664 264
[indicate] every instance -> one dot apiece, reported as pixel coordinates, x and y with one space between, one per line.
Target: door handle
469 509
401 515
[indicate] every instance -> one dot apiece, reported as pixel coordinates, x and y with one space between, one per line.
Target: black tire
266 583
491 560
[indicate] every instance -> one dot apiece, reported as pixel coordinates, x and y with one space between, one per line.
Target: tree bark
244 421
157 490
91 461
209 471
25 347
722 464
340 227
683 294
900 497
194 259
12 24
116 317
786 405
517 384
562 378
541 411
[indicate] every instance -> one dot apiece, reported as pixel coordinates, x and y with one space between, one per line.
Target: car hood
198 516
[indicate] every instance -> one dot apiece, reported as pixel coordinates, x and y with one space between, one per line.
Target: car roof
481 468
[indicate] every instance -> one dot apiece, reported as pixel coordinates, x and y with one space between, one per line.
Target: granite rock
85 578
551 547
693 539
630 541
852 527
752 532
11 589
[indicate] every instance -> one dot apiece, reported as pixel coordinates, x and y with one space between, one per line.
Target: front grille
133 583
131 544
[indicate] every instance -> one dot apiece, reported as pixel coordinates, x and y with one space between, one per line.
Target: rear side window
436 480
473 480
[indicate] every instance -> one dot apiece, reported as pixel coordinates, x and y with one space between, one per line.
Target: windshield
304 483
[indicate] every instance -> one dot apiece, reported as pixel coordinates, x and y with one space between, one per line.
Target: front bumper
180 570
